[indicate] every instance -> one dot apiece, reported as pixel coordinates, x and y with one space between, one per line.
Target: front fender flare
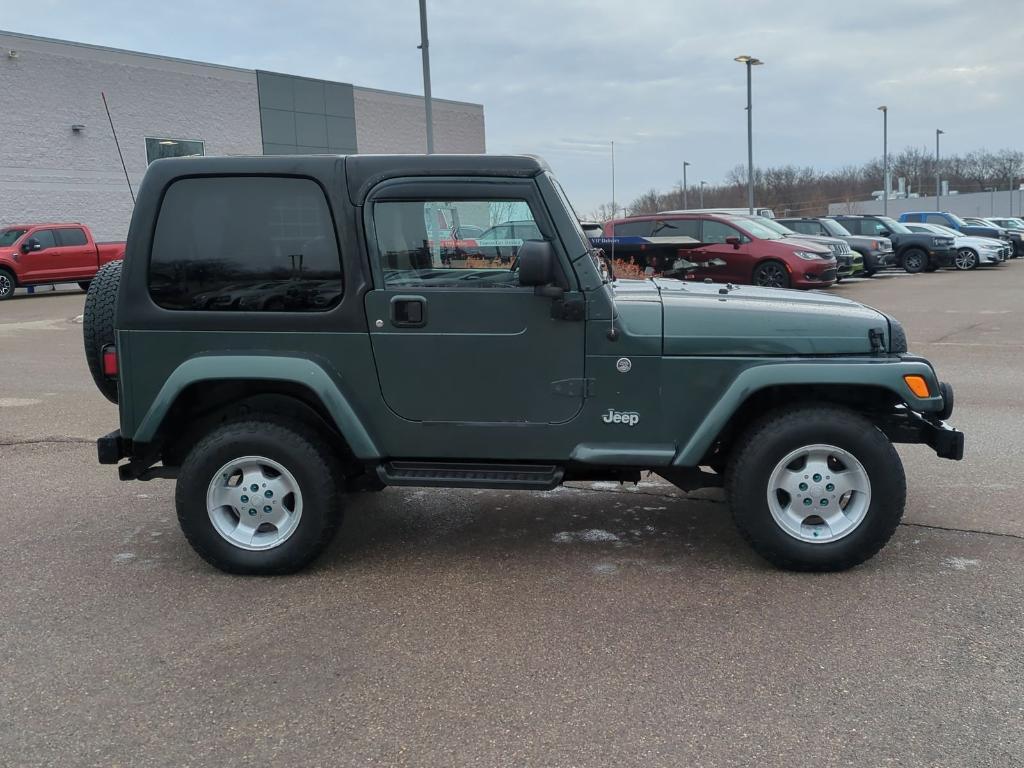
887 374
295 370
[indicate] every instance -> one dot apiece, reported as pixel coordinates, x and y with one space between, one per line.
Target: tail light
110 361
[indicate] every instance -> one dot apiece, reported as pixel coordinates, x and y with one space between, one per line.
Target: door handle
408 311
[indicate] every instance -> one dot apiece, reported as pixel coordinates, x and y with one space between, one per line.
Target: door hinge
569 309
573 387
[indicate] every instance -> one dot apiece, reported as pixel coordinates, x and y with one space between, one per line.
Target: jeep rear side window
419 243
255 244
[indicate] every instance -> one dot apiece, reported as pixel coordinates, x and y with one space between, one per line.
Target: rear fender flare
295 370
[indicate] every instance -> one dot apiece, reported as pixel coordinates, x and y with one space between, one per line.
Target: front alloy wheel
966 259
771 274
6 286
819 493
815 488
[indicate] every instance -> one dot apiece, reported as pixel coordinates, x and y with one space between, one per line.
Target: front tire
915 260
259 497
771 274
966 259
816 488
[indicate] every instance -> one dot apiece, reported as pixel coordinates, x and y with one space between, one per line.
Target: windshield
894 226
939 229
956 219
834 228
9 236
762 228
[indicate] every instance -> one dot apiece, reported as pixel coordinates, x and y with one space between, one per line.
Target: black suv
914 252
877 251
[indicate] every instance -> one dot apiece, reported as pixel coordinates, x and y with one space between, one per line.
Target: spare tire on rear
98 324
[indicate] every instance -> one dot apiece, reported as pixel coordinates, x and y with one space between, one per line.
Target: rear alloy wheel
771 274
259 496
915 261
966 259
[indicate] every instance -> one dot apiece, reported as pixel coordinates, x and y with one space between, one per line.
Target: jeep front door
455 337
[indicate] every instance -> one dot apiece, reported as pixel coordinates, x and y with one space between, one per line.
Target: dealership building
59 161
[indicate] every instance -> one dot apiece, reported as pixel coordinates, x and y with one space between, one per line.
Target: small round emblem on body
379 323
623 365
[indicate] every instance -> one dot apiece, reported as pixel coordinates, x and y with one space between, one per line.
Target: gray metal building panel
276 91
309 96
311 129
278 126
340 101
300 114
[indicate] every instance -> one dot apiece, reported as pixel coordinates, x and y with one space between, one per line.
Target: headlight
807 255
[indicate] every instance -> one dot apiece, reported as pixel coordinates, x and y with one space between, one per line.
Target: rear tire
771 274
98 324
840 449
7 284
915 260
265 534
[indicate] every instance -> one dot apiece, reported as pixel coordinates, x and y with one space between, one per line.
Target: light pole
993 206
424 46
685 206
938 188
750 62
702 185
885 158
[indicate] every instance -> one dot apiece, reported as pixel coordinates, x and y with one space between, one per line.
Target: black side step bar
440 474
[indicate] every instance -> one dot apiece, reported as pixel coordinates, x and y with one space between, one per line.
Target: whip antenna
118 145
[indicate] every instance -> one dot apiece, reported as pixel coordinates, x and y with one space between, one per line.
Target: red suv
752 253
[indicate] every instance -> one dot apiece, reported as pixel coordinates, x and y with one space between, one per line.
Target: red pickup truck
40 254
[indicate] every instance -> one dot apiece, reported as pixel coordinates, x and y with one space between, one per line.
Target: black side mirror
733 241
884 233
536 262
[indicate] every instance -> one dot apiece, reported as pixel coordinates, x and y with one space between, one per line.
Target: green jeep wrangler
285 331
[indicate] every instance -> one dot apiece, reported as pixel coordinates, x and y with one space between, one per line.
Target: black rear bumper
110 449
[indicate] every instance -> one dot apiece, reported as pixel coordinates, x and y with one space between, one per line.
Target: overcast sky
562 78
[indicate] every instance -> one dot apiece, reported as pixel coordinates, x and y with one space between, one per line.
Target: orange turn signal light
917 385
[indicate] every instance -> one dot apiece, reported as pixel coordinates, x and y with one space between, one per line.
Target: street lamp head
939 132
745 59
883 108
686 163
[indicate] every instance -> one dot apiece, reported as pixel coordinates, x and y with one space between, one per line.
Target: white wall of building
396 122
47 171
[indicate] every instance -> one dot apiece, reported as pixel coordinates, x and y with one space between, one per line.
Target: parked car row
802 252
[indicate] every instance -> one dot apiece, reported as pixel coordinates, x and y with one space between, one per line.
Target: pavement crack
45 440
964 530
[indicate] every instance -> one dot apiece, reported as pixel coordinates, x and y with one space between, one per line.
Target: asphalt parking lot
589 626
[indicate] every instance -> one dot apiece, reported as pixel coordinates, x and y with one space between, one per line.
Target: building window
160 148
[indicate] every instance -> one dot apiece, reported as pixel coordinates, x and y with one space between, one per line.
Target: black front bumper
912 427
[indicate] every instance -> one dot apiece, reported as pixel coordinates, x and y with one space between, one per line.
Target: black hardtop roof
365 171
362 171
